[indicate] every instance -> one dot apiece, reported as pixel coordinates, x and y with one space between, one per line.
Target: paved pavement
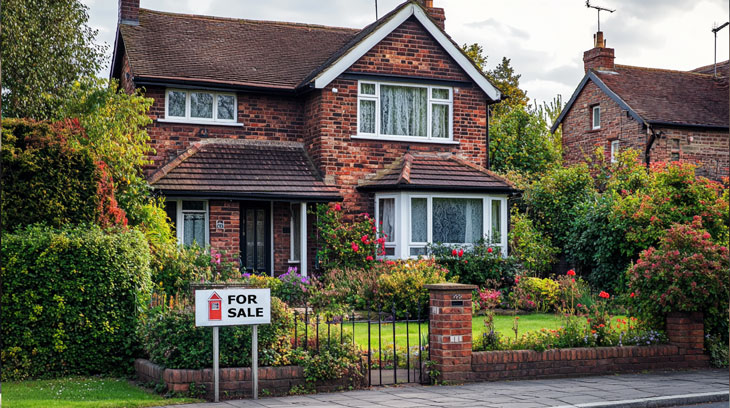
658 389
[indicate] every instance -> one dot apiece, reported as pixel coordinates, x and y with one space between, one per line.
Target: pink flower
706 235
338 207
355 247
369 258
579 305
490 250
364 239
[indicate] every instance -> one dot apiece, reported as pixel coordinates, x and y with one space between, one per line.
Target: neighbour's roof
439 172
237 168
228 51
662 97
722 69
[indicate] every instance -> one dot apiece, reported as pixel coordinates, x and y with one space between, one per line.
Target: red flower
601 325
453 252
632 294
337 207
390 262
461 253
571 273
364 239
604 295
355 247
490 250
369 258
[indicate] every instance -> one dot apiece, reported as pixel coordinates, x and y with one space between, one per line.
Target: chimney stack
599 57
129 12
436 13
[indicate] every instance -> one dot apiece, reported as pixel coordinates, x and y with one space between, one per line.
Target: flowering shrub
476 264
537 294
174 267
347 243
294 287
686 273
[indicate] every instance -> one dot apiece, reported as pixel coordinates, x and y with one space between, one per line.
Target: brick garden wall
234 382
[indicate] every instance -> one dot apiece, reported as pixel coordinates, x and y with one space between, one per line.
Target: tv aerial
599 10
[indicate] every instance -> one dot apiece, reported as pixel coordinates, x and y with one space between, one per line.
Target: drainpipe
488 161
649 143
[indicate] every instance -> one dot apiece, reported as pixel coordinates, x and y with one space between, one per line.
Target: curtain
367 116
440 121
496 222
403 111
419 220
194 228
387 219
457 220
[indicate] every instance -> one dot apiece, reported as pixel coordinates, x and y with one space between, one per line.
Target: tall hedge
43 179
71 300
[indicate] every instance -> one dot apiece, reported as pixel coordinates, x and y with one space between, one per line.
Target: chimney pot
599 57
129 12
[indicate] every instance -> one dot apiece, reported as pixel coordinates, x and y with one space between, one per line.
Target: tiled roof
229 51
665 96
244 168
722 69
435 172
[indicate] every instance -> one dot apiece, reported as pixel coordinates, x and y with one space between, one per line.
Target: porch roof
244 169
437 172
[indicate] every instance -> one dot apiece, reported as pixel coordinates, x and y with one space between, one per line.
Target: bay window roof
436 172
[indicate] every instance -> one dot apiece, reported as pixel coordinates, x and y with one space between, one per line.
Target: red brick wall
708 148
228 238
264 117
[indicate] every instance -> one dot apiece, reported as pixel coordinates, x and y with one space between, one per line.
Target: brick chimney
599 57
436 13
129 12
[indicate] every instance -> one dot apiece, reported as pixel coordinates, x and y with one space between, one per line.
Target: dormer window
394 111
200 106
596 117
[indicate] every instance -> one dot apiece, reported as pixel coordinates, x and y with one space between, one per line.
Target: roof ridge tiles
251 21
676 71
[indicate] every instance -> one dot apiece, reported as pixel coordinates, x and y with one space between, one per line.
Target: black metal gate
383 330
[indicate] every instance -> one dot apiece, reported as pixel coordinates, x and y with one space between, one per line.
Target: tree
502 76
115 132
45 46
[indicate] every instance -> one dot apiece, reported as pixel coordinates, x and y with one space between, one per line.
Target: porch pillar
303 239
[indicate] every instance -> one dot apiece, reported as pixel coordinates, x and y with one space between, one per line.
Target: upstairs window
404 111
596 118
200 106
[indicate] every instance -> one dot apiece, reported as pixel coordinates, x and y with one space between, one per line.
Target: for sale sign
232 307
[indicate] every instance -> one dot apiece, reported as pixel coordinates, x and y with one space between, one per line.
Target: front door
256 237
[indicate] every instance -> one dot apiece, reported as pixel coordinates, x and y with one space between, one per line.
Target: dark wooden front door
256 237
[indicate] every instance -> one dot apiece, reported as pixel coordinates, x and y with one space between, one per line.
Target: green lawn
503 324
80 392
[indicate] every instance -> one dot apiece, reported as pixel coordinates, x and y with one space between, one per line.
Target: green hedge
71 300
55 183
171 339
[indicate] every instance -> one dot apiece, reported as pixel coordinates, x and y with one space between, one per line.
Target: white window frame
180 222
615 145
403 244
294 212
596 113
202 121
429 114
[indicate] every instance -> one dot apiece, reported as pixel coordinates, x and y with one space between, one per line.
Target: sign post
233 307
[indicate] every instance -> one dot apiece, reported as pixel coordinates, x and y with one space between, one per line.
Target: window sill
404 139
293 261
200 122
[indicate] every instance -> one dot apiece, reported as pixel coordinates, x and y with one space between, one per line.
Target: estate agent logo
214 307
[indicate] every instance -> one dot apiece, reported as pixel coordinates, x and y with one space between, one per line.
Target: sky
545 39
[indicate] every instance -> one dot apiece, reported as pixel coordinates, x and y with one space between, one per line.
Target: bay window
405 111
200 106
439 218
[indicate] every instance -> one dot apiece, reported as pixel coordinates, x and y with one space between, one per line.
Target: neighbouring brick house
666 115
254 122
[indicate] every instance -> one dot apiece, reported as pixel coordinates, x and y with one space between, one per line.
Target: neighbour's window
200 106
407 111
614 151
296 233
190 221
596 117
675 150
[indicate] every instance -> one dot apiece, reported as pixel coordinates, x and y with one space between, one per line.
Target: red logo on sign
214 307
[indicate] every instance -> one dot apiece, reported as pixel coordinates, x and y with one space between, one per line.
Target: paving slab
658 389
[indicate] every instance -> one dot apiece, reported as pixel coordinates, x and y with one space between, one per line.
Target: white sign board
232 307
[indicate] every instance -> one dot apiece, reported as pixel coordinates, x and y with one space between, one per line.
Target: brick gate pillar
687 332
450 335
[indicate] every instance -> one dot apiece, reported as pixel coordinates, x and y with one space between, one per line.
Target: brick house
254 122
666 115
